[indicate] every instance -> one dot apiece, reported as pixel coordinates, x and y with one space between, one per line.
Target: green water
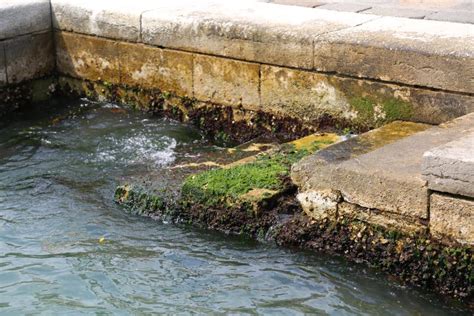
59 166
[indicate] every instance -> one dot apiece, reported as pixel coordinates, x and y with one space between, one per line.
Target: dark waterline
59 165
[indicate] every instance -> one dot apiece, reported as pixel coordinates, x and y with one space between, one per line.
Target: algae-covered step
249 183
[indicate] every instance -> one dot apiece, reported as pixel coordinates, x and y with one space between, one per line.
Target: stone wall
313 65
26 50
356 70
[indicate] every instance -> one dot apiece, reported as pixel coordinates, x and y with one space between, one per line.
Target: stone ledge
450 167
19 17
118 21
414 52
250 31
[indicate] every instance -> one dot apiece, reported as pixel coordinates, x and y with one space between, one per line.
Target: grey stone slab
346 7
398 11
453 218
415 52
118 21
458 16
388 178
301 3
29 57
3 68
251 31
450 167
19 17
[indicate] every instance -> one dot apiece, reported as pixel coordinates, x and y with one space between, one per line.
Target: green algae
267 172
372 111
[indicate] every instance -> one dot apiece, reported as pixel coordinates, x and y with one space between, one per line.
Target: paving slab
414 52
402 12
388 178
450 167
301 3
452 217
458 16
460 11
346 7
246 30
20 17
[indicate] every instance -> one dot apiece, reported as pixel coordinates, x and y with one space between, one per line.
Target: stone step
450 168
387 177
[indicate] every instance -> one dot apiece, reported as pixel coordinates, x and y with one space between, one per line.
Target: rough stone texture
301 3
422 53
453 16
29 57
452 217
87 57
388 178
319 204
311 96
450 167
18 17
346 7
387 220
227 82
302 94
3 66
260 32
414 13
152 68
119 21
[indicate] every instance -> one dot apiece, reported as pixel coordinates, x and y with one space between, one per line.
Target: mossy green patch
375 112
225 186
140 201
396 109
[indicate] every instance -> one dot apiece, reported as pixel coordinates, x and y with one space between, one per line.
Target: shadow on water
59 165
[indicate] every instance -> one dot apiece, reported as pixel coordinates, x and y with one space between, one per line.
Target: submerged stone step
387 178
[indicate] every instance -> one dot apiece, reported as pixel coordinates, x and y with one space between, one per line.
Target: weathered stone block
259 32
87 57
29 57
156 68
311 97
320 204
377 103
20 17
120 21
227 82
422 53
452 218
387 220
450 167
302 94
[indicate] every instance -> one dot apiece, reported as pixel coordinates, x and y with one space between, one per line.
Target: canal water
66 248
